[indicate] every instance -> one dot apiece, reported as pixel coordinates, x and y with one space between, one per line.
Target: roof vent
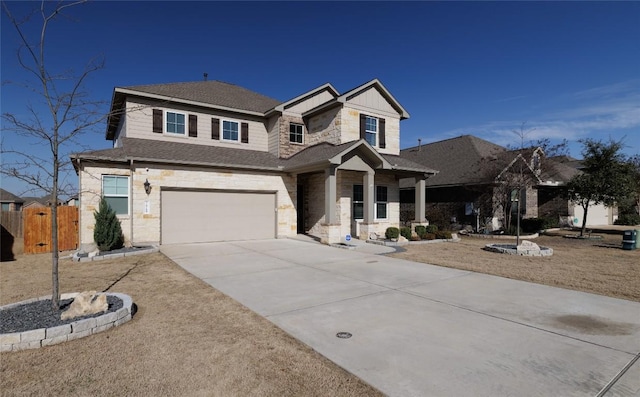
419 144
205 75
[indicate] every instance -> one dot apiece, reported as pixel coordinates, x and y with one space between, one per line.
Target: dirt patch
596 266
186 339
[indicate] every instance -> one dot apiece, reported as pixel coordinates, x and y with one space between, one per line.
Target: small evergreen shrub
431 228
108 231
392 233
421 230
628 220
415 238
443 234
405 232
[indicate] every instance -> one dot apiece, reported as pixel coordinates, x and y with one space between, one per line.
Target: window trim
238 123
368 131
118 195
301 133
375 202
165 130
354 201
386 203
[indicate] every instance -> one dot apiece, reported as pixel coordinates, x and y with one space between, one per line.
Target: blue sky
568 69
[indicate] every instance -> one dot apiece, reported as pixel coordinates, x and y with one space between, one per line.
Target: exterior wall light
147 187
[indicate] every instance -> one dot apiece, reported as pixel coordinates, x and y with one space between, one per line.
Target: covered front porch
354 192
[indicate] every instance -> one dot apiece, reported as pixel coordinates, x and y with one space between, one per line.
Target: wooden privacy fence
37 229
12 222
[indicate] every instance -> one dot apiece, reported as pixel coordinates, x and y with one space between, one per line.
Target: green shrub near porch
392 233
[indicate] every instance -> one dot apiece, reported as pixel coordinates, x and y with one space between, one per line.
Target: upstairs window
371 130
115 190
296 132
175 123
230 131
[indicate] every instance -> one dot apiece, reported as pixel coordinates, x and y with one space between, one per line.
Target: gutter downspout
131 201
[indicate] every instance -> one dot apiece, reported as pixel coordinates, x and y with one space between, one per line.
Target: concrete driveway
422 330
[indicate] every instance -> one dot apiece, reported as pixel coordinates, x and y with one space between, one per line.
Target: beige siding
372 101
350 128
146 227
140 122
273 128
309 103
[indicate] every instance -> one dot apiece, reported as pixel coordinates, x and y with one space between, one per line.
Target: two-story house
211 161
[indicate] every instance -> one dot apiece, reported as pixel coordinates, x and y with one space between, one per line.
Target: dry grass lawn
187 339
596 266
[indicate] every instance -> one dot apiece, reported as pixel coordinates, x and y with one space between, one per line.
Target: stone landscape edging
36 338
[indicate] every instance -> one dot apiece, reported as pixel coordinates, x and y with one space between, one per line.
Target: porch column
368 187
420 199
330 196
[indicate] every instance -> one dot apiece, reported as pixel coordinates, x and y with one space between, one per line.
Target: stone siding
145 228
314 203
287 148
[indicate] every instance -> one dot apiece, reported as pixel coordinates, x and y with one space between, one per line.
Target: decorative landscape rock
526 248
86 303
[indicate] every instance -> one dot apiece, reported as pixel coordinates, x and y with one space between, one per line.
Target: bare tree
69 113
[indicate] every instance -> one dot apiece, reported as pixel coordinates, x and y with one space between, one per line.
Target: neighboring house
73 201
9 201
211 161
36 202
473 174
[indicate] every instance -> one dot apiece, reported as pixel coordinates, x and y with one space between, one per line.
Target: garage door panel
204 216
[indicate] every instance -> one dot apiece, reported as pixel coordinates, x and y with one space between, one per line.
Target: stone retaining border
36 338
107 255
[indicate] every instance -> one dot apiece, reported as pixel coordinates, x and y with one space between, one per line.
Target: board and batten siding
309 103
139 123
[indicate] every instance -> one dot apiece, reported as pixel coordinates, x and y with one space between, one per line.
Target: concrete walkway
422 330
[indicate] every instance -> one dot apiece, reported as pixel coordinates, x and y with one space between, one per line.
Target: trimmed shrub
405 232
443 234
431 228
421 230
392 232
628 220
415 238
108 231
429 236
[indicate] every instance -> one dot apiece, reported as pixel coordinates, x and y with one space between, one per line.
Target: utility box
630 240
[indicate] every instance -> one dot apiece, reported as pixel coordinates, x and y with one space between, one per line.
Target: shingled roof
457 159
183 153
213 156
212 92
8 197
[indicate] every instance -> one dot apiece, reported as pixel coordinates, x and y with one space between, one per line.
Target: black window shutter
157 121
193 125
363 126
244 135
215 129
382 142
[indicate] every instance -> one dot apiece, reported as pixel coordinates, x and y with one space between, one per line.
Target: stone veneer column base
366 229
330 234
416 223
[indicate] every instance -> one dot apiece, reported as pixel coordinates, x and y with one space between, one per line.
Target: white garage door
204 216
